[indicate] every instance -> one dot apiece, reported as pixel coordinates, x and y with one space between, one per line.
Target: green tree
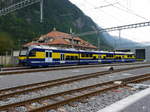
6 43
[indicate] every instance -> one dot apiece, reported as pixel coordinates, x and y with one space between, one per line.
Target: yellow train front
45 56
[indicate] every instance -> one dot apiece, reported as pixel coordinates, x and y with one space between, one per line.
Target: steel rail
89 91
35 84
88 94
5 93
63 68
13 68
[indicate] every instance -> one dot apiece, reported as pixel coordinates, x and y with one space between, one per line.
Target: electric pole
41 10
71 33
119 43
98 39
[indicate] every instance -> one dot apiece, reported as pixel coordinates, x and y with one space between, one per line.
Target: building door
99 58
48 56
140 53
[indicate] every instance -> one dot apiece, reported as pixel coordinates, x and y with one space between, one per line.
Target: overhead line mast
41 10
19 5
129 26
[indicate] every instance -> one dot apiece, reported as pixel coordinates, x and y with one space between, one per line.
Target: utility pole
41 10
98 40
71 33
119 43
115 44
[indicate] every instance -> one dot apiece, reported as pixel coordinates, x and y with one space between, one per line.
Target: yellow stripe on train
22 57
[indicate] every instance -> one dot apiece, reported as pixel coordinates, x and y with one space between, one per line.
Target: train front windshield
23 52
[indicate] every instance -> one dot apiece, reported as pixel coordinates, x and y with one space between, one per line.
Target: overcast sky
111 13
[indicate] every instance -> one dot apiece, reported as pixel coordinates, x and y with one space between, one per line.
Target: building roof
60 38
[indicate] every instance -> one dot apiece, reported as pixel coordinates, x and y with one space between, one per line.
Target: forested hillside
23 25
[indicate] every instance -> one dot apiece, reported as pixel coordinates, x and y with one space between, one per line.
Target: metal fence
8 59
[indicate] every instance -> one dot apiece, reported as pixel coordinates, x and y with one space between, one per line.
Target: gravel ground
101 101
8 81
98 102
75 85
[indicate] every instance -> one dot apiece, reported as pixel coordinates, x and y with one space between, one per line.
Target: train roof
72 49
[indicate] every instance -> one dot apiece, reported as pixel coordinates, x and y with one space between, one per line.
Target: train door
48 57
62 58
99 58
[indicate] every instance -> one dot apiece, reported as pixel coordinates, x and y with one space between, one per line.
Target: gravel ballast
94 103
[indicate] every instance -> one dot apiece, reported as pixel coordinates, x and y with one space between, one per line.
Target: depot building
140 52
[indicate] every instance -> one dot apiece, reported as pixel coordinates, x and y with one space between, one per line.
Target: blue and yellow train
40 56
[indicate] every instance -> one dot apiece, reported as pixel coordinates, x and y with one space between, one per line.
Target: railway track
11 92
14 68
21 70
59 99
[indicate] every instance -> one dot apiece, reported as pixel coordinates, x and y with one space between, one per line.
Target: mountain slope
121 42
24 25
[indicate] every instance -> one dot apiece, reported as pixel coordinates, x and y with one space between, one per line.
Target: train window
62 57
67 57
48 54
109 55
32 53
23 52
118 57
76 57
87 55
129 56
72 57
82 54
94 57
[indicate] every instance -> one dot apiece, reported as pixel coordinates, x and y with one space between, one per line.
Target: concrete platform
139 102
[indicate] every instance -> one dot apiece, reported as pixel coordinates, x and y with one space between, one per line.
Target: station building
62 40
140 52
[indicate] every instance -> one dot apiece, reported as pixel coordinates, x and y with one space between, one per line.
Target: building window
76 42
67 40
